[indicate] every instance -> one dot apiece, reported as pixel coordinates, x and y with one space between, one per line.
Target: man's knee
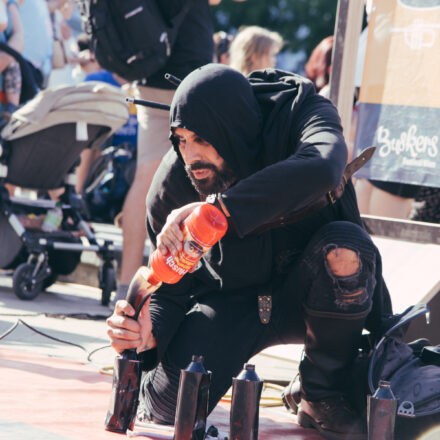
344 272
343 262
349 279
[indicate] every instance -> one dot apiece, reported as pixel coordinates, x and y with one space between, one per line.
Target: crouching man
295 266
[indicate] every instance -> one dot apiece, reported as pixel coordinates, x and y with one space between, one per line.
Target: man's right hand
125 332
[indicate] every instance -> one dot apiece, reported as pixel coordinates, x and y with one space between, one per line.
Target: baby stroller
40 149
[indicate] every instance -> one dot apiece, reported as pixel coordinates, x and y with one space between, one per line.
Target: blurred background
301 23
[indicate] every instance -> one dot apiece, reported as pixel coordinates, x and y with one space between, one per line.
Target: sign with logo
399 102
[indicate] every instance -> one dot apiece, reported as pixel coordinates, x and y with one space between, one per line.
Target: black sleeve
315 167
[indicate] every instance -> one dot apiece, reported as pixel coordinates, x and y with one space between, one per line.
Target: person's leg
133 221
375 201
88 156
363 194
338 278
384 204
152 144
226 330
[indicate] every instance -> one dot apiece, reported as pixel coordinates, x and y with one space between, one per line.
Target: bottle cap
248 373
152 279
196 364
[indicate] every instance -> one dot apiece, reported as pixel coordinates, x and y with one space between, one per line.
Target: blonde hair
252 40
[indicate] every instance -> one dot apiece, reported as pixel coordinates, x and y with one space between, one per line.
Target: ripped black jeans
226 328
324 290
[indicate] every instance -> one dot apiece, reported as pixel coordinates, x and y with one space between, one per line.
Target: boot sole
308 422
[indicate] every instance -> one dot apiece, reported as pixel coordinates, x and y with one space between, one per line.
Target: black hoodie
285 145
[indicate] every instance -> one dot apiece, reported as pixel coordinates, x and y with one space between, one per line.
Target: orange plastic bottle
202 229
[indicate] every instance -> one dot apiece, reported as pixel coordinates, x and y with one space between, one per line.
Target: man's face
208 172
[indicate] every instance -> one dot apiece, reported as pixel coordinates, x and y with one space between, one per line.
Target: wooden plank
410 271
407 230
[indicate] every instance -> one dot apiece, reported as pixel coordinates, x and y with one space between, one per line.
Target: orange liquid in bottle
202 229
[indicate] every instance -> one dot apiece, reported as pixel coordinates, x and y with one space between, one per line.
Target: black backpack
108 181
132 38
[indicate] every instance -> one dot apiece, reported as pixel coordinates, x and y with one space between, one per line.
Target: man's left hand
171 237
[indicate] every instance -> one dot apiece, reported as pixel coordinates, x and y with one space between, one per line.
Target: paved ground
51 313
47 313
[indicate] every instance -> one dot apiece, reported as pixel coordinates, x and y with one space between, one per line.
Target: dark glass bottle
192 401
381 412
245 404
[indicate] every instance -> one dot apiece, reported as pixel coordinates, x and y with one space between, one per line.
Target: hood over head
218 104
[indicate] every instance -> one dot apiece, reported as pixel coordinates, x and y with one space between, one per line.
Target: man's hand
125 333
171 237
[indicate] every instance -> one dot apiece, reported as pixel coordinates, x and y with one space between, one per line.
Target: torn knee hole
343 262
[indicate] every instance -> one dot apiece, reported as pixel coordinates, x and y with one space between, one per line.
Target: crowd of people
262 162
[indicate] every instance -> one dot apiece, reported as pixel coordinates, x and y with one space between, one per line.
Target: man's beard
220 181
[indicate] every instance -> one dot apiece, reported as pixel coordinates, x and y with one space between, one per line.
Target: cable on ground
53 338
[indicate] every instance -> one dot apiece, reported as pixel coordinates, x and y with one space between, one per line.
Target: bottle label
53 220
190 254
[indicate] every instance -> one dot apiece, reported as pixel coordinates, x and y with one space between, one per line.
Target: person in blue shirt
38 35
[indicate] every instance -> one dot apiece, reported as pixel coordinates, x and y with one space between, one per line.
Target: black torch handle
146 103
139 291
173 79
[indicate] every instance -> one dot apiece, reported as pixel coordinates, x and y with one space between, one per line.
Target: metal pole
347 30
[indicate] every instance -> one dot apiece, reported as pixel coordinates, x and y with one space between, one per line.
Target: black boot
331 346
334 418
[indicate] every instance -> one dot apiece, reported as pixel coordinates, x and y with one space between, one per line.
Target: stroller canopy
91 102
45 137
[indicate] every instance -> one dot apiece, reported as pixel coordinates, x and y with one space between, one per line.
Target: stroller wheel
107 283
24 287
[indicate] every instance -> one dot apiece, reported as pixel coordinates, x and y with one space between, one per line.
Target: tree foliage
302 23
